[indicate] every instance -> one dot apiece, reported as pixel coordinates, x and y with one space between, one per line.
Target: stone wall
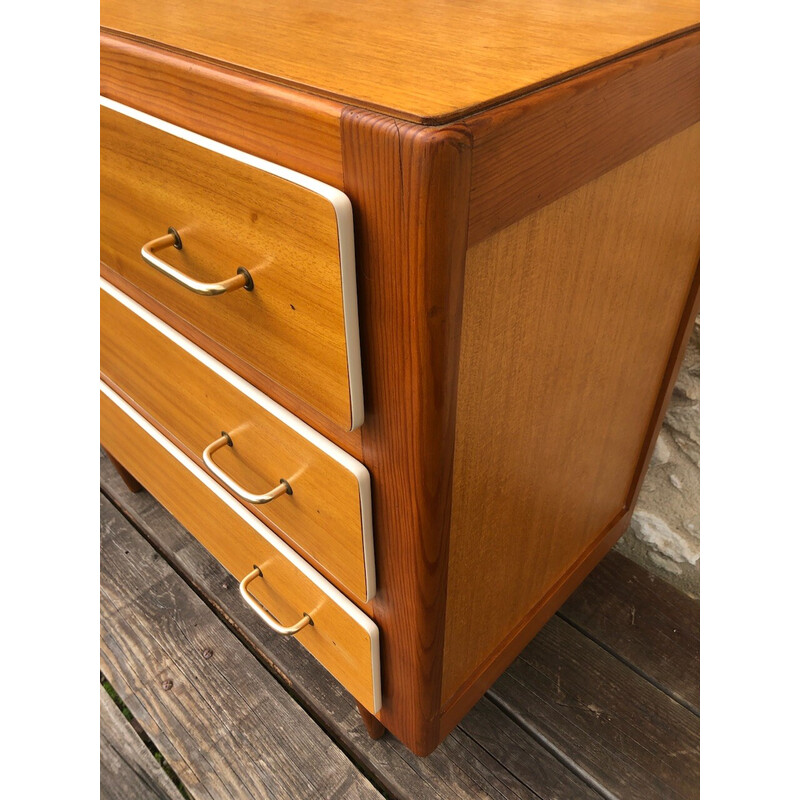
664 535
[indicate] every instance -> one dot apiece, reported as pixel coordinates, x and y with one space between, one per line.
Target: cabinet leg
128 479
373 725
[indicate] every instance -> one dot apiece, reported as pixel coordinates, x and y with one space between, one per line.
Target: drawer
323 504
280 245
342 637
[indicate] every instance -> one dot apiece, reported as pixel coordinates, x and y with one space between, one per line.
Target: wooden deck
603 703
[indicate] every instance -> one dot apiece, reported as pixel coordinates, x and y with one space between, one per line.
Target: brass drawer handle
284 630
282 488
241 280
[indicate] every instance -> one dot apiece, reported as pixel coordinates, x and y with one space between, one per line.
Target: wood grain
427 62
223 723
229 214
347 440
581 251
685 327
529 153
619 730
498 660
569 322
478 761
335 638
409 186
279 124
127 768
643 621
322 518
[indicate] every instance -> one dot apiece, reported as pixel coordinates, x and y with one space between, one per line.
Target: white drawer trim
344 222
358 616
271 407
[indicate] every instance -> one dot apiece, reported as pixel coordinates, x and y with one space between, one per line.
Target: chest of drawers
393 299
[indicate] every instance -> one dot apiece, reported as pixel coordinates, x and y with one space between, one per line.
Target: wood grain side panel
277 123
519 635
336 639
531 152
409 187
322 516
230 214
670 376
494 665
570 319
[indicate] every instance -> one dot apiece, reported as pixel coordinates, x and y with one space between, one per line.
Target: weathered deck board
487 756
128 770
225 725
586 711
616 727
644 621
488 725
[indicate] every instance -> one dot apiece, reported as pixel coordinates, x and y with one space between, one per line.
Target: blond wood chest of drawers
392 302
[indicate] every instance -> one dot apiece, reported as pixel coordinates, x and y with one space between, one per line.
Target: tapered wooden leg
129 480
373 725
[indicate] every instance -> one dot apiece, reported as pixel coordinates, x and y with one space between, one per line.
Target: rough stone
664 563
692 449
684 420
688 386
661 452
653 530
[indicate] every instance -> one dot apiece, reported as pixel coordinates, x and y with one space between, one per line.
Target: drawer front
342 637
298 324
326 512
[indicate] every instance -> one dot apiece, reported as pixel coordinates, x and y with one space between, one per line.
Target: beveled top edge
428 63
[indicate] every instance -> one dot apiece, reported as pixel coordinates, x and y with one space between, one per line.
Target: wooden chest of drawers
393 299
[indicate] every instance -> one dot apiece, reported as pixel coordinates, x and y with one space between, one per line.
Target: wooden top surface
427 61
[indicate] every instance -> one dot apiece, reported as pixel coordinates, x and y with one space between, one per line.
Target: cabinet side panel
569 321
533 151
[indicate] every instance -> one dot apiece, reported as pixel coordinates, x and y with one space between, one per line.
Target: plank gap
631 666
242 637
158 757
551 748
341 741
448 774
165 597
530 788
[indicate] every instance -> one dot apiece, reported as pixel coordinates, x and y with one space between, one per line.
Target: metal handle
241 280
284 630
282 488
